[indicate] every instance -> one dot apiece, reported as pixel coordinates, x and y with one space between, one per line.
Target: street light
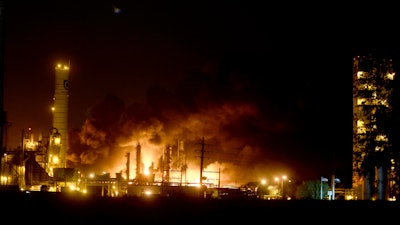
263 182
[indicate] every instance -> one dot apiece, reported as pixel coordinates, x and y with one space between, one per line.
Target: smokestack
128 163
138 160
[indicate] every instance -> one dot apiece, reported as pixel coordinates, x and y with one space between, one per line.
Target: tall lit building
373 162
59 132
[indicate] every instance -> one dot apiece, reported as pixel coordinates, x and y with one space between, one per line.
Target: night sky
267 86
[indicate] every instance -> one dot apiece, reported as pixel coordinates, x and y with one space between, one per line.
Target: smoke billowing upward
244 120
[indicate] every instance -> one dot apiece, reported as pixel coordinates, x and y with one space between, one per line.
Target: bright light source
263 182
55 160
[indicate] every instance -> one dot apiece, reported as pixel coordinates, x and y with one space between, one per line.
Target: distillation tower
59 131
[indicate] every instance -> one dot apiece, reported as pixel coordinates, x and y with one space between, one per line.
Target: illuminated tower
58 150
372 143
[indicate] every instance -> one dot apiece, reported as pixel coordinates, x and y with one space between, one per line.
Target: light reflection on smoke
238 138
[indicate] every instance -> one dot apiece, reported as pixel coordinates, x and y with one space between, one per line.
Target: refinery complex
40 163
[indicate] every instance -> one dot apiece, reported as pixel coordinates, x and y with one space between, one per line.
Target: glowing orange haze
231 154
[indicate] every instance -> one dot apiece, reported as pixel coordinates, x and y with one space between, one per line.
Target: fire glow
225 139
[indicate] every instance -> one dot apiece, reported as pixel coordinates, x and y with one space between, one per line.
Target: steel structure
373 163
57 151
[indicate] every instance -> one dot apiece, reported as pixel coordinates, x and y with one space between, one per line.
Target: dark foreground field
50 208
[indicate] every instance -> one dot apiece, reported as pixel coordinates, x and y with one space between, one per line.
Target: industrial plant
375 157
40 163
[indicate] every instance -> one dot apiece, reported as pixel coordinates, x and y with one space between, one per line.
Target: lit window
389 76
361 101
360 74
381 138
360 127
